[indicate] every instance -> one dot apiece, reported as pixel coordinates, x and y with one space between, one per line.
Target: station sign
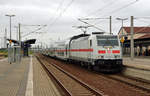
122 40
10 41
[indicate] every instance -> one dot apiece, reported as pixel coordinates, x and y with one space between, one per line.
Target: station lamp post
122 19
10 58
122 39
10 25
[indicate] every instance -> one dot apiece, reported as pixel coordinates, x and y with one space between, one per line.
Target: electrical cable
34 31
118 9
60 5
56 19
143 21
123 7
58 8
102 8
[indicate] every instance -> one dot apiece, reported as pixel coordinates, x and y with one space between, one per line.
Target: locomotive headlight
117 56
102 57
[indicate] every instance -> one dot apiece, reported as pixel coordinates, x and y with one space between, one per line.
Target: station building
141 40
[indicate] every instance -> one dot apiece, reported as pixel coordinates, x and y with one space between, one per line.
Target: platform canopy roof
30 41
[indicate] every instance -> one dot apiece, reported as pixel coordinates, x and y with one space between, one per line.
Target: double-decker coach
94 51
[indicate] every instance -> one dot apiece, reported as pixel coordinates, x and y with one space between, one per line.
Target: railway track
143 69
69 83
139 73
120 84
138 84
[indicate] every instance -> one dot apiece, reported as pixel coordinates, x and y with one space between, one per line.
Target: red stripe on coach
116 51
76 50
60 50
101 51
81 50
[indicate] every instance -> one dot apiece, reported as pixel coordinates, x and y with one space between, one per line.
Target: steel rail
131 84
93 90
90 88
116 78
67 93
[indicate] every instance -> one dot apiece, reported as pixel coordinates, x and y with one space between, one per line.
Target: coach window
90 43
66 50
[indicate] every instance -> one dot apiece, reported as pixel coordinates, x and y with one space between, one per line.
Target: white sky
61 15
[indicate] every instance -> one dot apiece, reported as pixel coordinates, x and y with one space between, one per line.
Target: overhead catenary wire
60 5
56 19
31 30
92 25
65 10
146 17
102 8
34 31
120 8
116 10
143 21
108 5
123 7
98 10
61 13
57 9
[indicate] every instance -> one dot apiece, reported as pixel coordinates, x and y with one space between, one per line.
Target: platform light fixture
10 25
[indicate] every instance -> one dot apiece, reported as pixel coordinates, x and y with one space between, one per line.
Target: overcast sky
61 15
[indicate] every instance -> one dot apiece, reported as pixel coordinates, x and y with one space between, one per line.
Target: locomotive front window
107 41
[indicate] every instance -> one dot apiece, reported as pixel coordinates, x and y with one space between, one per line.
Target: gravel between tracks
74 88
101 83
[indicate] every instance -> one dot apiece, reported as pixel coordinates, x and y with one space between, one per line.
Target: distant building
141 40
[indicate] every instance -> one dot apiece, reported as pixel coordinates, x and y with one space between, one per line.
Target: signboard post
122 41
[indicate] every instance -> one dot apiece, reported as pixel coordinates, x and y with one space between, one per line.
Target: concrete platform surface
13 77
42 85
141 63
25 79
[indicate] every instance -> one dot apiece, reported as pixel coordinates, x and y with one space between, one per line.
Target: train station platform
27 78
140 63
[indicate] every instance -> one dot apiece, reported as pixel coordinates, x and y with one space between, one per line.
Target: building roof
145 36
14 41
30 41
138 29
